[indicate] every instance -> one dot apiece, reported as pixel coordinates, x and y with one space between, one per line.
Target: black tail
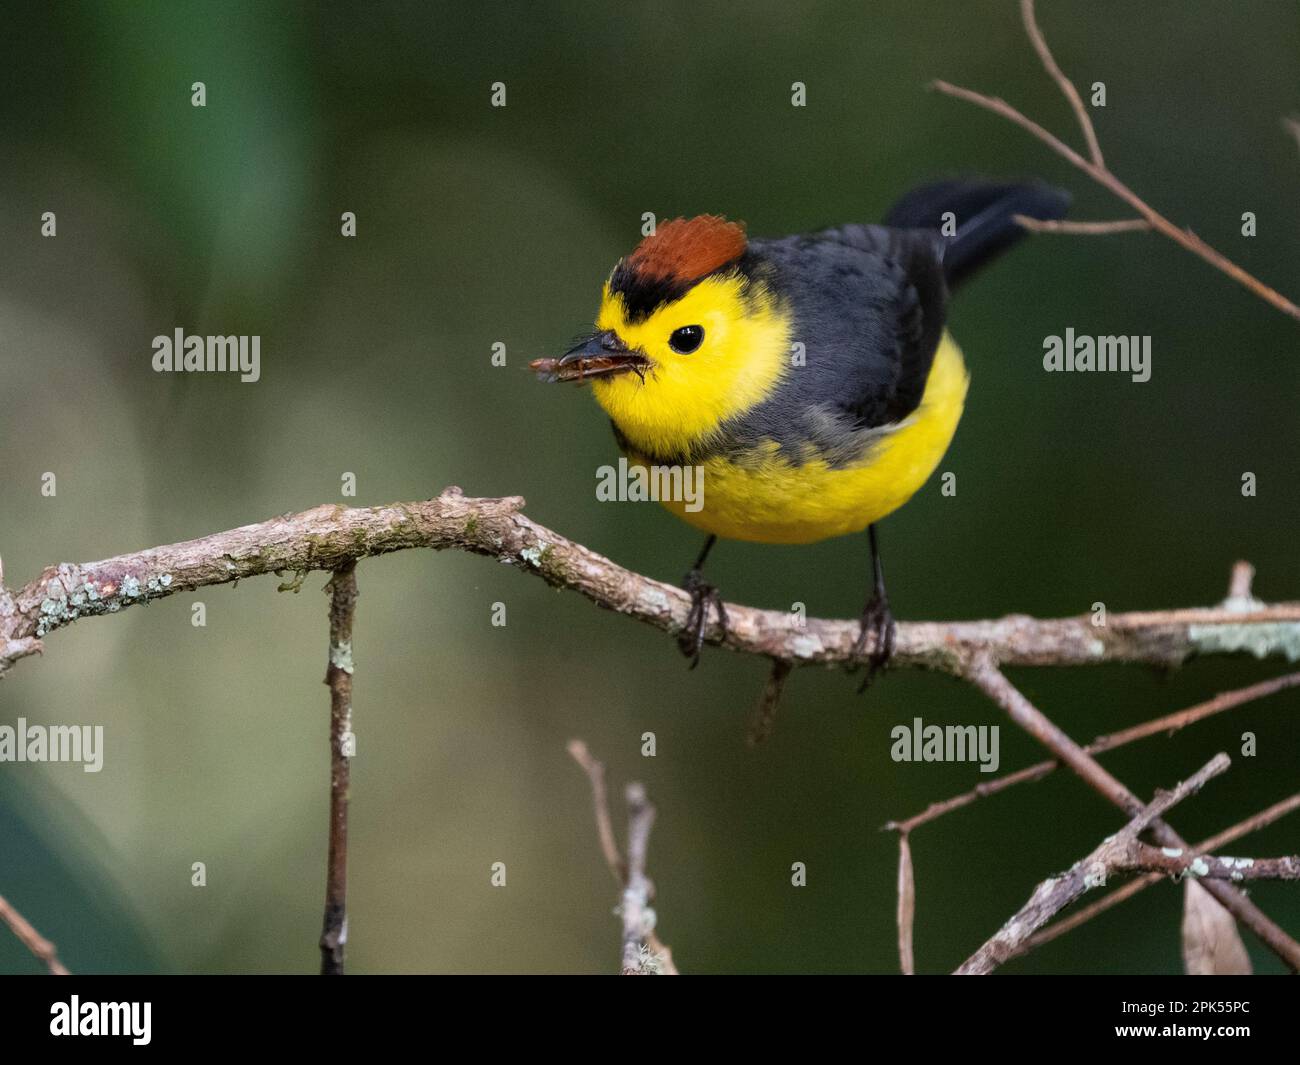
983 211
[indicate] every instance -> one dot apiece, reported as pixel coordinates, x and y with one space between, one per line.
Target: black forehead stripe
642 295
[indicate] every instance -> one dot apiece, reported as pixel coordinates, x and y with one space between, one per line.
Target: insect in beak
602 354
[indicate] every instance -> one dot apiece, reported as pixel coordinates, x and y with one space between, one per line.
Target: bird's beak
602 354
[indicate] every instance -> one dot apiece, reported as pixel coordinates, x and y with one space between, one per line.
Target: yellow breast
771 500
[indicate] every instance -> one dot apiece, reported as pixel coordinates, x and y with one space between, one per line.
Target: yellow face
712 354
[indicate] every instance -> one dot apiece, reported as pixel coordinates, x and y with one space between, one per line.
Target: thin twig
1054 894
1087 229
1239 584
761 724
41 947
1102 175
595 771
1168 724
986 676
1066 86
657 957
342 589
1213 843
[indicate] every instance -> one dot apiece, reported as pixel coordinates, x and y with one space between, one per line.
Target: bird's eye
686 339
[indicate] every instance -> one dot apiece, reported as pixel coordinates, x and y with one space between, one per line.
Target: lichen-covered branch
1140 857
342 589
1054 894
644 954
638 917
328 537
333 537
986 676
1231 834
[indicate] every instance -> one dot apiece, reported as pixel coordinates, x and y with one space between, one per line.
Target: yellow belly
771 500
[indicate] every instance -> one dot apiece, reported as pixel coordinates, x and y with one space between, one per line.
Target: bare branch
595 771
342 589
1168 724
12 648
1142 858
1066 86
330 536
1097 170
989 679
1000 107
644 954
1222 839
41 947
1087 229
1053 895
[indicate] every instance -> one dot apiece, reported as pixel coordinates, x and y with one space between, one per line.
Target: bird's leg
703 594
877 620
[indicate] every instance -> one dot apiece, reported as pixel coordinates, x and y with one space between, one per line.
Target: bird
811 378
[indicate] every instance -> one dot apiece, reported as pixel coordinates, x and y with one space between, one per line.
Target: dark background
479 225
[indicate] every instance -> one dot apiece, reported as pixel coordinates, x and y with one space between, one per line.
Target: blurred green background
479 225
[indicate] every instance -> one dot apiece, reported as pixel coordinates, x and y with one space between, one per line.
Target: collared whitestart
811 377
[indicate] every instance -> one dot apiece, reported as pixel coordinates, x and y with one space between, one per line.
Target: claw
703 595
877 622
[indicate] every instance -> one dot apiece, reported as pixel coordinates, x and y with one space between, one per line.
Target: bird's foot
703 595
878 626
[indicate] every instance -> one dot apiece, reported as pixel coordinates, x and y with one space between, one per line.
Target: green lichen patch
69 596
341 656
1261 639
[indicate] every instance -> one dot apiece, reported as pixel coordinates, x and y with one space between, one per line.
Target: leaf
1212 945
